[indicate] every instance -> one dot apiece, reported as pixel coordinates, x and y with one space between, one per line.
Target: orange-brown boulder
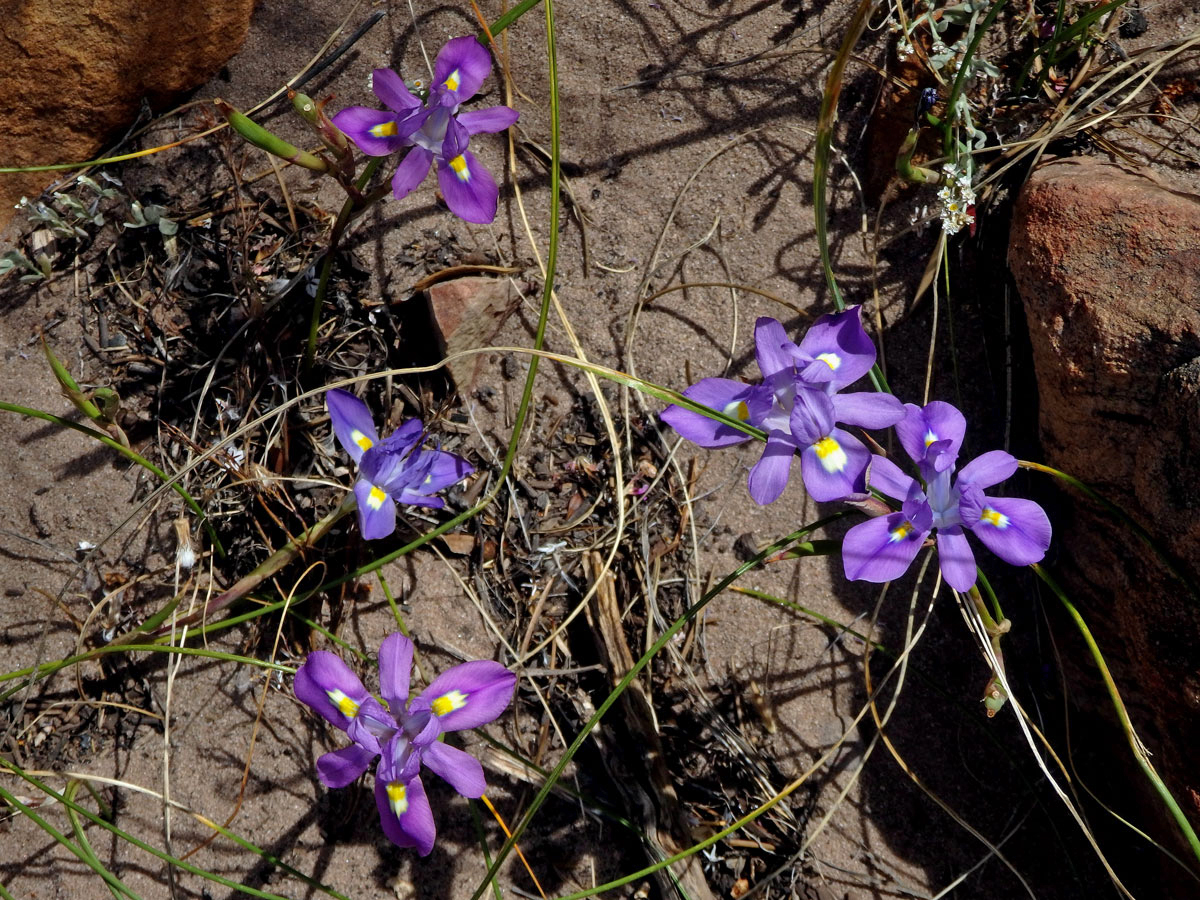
1107 261
76 71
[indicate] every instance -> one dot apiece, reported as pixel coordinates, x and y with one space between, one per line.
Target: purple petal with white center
376 132
867 409
769 476
835 467
459 70
988 469
392 91
722 394
889 479
773 349
469 695
921 428
460 769
341 767
404 813
411 172
1016 530
811 418
376 510
352 422
881 549
955 558
839 341
488 121
326 684
468 187
395 670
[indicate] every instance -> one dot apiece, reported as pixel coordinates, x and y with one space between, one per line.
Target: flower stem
351 209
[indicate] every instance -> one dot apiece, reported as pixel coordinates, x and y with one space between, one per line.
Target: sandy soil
687 138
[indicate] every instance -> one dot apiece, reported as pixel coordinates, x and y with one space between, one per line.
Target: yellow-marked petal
375 498
449 702
383 129
361 439
830 454
738 410
451 83
345 704
459 165
930 437
397 797
830 359
900 532
994 518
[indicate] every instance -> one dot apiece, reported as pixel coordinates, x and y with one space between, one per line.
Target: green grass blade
1140 753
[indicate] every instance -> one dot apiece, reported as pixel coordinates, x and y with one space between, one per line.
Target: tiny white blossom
957 198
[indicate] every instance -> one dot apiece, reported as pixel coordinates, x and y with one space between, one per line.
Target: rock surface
1107 261
467 313
76 71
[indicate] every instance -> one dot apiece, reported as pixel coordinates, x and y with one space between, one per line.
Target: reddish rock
1107 261
75 73
467 314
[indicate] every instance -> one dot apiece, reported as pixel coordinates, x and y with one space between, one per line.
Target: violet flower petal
839 341
867 409
393 93
444 469
955 558
769 476
722 394
411 172
773 349
988 469
488 121
373 726
460 769
376 510
811 418
459 70
921 428
341 767
412 498
404 813
835 467
889 479
1016 530
469 189
404 438
352 422
881 549
376 132
395 670
468 695
326 684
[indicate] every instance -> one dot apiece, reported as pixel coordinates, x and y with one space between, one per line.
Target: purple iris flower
435 129
394 470
798 405
881 549
404 734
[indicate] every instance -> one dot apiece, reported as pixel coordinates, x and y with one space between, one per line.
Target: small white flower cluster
957 197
